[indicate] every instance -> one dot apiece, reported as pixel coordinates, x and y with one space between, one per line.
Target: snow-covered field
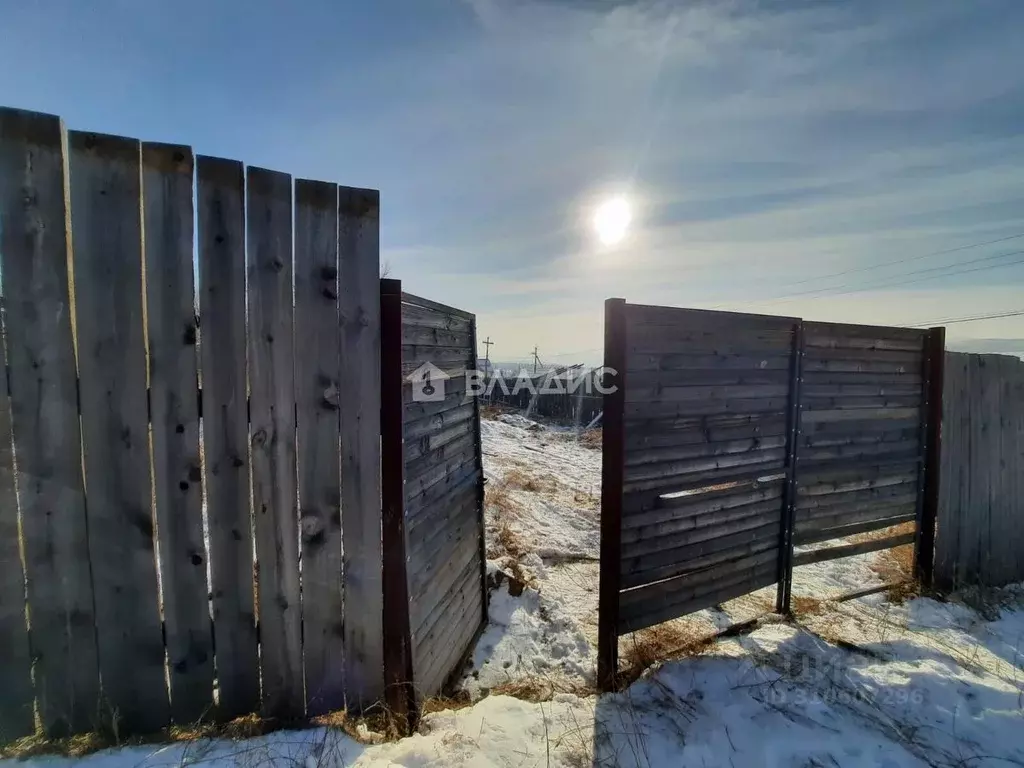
865 682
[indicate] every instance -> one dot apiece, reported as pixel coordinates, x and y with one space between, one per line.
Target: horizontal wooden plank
750 472
436 469
686 468
642 361
677 587
703 502
698 430
868 427
451 440
806 505
730 553
679 555
658 340
815 337
899 389
451 646
864 331
828 439
718 393
469 473
848 550
412 394
451 366
865 414
436 422
414 411
908 359
907 450
639 456
429 318
446 524
412 300
650 314
812 365
820 518
729 588
439 337
646 411
717 526
425 615
844 477
837 532
662 601
421 353
699 527
687 377
910 377
436 579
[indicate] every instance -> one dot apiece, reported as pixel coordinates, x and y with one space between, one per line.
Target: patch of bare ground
807 606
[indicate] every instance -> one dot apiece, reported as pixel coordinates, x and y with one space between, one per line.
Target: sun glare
612 219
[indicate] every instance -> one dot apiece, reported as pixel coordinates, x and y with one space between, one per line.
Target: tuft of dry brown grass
660 643
460 700
807 606
592 438
517 479
536 689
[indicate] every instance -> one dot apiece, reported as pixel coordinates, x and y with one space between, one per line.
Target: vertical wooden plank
34 242
221 216
931 413
317 348
107 236
17 702
174 414
793 432
478 449
949 519
612 474
979 505
272 440
398 670
359 303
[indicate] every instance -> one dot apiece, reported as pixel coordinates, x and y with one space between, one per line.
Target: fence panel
316 394
44 411
174 413
221 216
980 539
443 489
705 413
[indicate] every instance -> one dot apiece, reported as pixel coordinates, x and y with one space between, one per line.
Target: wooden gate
730 439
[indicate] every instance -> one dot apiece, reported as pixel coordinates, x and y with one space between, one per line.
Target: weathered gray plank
221 215
875 333
681 553
728 553
684 468
832 415
706 528
425 616
418 335
38 310
424 317
637 457
749 472
663 393
639 361
450 647
318 342
841 528
418 509
272 439
698 522
107 234
690 319
847 550
174 413
359 301
413 302
17 703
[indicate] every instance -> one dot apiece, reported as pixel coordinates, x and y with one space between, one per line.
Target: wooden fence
189 534
438 538
568 396
980 536
730 439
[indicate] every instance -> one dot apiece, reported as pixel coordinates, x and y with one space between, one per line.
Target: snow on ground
865 682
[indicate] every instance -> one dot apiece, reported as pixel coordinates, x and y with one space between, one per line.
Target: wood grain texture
221 215
174 414
17 703
317 397
38 316
848 550
107 235
272 439
359 306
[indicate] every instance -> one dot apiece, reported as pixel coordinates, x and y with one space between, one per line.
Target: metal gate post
612 472
796 367
399 693
931 415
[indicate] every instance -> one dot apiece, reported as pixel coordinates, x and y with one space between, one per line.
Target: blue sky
764 145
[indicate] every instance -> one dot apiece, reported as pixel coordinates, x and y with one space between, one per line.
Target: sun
612 219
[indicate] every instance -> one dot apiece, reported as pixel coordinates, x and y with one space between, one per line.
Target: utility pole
487 355
536 360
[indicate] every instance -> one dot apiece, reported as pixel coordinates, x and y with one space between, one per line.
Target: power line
907 259
953 320
888 282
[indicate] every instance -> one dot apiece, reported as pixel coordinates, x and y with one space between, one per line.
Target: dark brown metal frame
612 472
793 429
928 506
398 679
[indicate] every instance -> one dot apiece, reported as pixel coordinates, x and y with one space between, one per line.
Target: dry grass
536 689
492 410
665 641
517 479
592 438
460 700
806 606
